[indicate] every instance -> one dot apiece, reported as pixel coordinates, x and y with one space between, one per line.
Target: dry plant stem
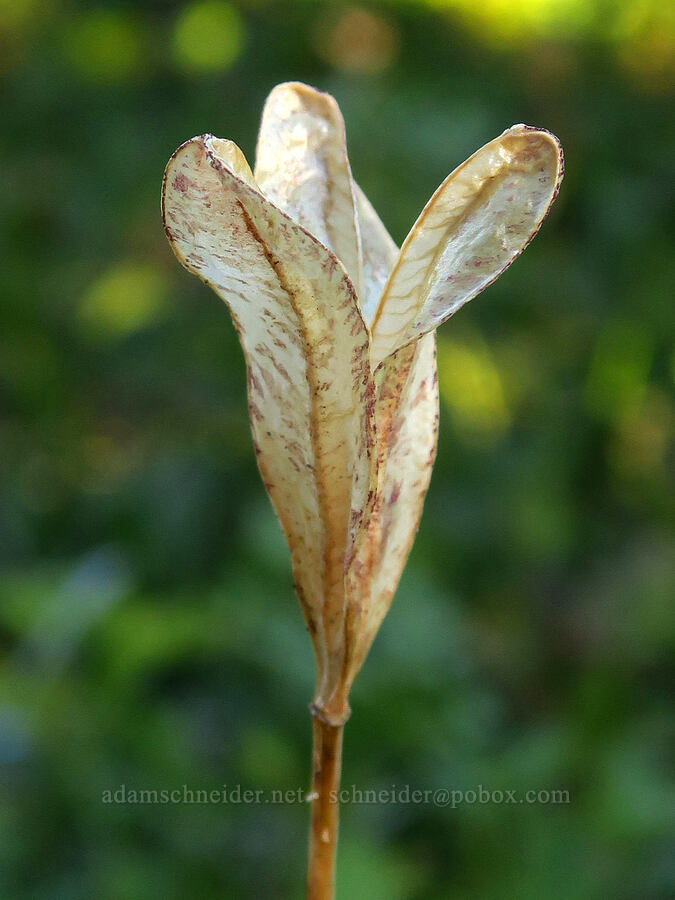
323 835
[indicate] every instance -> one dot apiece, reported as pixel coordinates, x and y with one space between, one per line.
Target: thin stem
323 834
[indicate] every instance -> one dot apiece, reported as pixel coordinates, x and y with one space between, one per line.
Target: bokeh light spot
208 36
642 31
126 298
472 388
15 14
357 40
513 21
643 437
105 46
645 34
619 369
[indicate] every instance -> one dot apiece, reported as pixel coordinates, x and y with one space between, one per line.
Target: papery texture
306 347
338 331
477 222
302 167
378 252
407 421
406 414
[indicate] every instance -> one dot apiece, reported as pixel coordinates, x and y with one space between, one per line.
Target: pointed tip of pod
299 88
295 97
224 153
545 136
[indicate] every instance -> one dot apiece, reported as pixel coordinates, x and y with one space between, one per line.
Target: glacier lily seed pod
338 331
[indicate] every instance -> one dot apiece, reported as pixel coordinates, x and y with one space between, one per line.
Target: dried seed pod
338 332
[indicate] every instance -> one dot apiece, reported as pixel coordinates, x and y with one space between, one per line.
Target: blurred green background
148 631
